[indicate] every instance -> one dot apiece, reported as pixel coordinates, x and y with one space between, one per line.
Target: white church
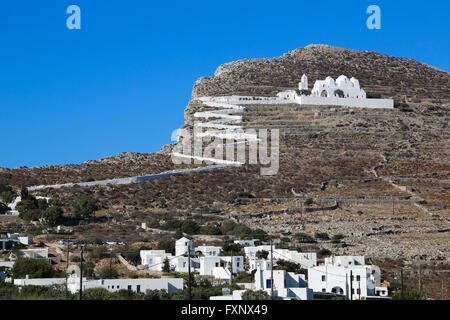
340 92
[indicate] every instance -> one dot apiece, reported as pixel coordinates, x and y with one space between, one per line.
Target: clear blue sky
121 83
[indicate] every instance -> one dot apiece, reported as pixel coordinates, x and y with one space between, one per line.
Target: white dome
329 80
341 78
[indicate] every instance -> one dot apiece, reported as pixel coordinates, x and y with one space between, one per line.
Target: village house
221 267
346 275
286 286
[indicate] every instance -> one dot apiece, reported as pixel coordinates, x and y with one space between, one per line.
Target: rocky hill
377 73
379 177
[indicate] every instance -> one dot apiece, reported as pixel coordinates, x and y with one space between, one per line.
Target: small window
352 278
323 278
358 291
358 278
138 288
353 291
237 264
268 284
323 290
129 287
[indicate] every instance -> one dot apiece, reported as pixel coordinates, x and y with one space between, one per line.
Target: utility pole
351 285
346 284
401 275
81 273
67 268
271 270
420 277
231 275
189 272
110 261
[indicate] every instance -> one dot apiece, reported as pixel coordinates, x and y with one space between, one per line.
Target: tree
244 277
154 223
52 216
7 194
189 227
3 208
36 268
96 294
290 266
324 252
166 265
255 295
108 273
337 238
303 237
83 208
262 254
156 295
167 245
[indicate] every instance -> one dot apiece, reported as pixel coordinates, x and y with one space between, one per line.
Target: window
323 278
138 288
324 290
268 284
129 287
353 291
358 278
352 279
237 264
358 291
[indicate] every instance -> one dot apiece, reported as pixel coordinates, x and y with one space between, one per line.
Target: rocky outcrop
377 73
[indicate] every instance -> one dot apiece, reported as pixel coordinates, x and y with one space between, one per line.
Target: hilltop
379 177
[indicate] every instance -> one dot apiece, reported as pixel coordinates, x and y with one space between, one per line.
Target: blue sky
121 83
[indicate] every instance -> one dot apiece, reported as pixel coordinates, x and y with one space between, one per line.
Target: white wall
328 277
346 102
136 285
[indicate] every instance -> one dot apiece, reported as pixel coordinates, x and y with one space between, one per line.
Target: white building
286 286
328 87
250 252
221 267
246 242
112 285
181 264
182 246
345 275
209 250
136 285
34 253
305 259
154 259
262 264
340 92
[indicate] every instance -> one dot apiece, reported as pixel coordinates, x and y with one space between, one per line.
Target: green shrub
255 295
304 238
36 268
154 223
108 273
167 245
324 252
83 208
321 236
